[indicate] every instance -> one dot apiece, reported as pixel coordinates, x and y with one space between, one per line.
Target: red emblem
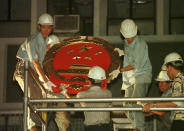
68 63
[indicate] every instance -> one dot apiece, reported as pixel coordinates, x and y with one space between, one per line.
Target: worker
34 50
164 84
173 63
95 120
136 71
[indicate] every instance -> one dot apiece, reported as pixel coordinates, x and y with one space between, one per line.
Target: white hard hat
53 39
162 76
128 28
46 19
172 57
97 73
163 67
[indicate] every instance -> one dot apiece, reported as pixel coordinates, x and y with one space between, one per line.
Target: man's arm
160 113
47 84
127 68
146 108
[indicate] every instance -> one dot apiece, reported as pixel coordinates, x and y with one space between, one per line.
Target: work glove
48 85
64 91
114 74
120 52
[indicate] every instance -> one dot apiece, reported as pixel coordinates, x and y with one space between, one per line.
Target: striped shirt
178 91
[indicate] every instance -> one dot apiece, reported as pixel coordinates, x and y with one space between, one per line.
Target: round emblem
68 62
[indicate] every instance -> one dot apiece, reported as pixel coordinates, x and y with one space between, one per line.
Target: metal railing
25 108
72 100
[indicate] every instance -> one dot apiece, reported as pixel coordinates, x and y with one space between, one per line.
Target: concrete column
37 8
100 18
42 7
162 17
34 16
3 75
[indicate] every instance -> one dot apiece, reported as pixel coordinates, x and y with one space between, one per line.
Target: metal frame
71 100
107 99
25 96
26 99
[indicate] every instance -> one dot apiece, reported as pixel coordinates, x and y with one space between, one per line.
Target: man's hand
146 108
120 52
114 74
48 85
148 114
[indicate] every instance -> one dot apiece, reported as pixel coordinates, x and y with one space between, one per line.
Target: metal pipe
154 123
44 128
107 109
106 99
26 65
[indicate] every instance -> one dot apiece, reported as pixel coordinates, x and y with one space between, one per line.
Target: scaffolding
29 102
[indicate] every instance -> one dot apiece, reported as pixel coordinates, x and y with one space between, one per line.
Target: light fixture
142 1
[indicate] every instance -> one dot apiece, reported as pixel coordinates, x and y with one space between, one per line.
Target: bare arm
165 104
160 113
127 68
147 107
